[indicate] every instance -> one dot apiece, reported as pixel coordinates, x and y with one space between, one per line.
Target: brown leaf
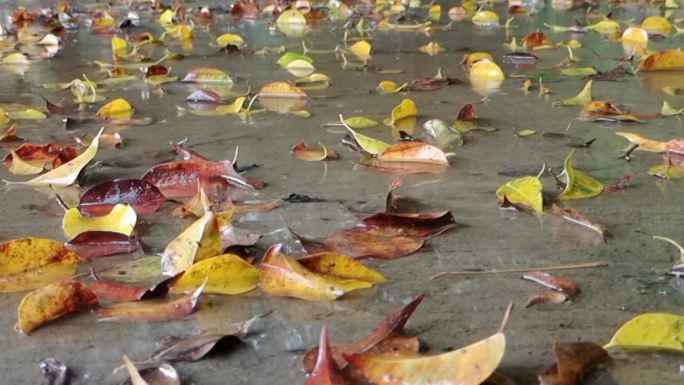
358 243
572 216
151 310
387 336
546 297
563 285
193 348
573 361
408 224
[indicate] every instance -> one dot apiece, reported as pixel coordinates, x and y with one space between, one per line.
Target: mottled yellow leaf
225 274
651 332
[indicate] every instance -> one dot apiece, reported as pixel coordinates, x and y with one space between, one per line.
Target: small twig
586 265
628 154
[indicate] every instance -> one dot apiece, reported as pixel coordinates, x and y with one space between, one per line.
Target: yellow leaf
339 265
579 71
486 19
644 144
361 49
67 173
207 75
486 70
580 99
667 171
388 87
121 220
407 108
15 58
432 48
167 17
360 122
292 23
526 132
230 38
116 109
51 302
283 276
300 68
180 253
435 12
526 190
470 365
657 25
470 58
651 332
30 263
119 47
368 144
232 108
668 110
605 26
22 167
26 114
578 185
225 274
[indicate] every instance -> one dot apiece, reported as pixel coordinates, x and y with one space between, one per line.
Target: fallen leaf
578 185
333 264
362 50
432 48
526 191
359 243
387 336
283 276
470 365
667 171
406 109
121 220
668 110
67 173
668 60
193 348
224 274
581 99
116 109
425 224
142 196
326 371
650 332
93 244
414 152
146 269
164 374
51 302
546 297
573 361
360 122
572 216
366 143
48 156
563 285
207 75
180 254
150 310
302 152
30 263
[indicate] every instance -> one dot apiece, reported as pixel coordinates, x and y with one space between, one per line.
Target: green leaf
578 185
667 171
360 122
289 57
368 144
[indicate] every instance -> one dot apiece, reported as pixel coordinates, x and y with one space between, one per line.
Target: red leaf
467 113
555 283
143 196
388 336
52 155
326 371
93 244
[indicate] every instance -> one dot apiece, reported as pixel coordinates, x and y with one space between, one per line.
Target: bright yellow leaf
19 166
526 190
230 38
116 109
361 49
651 332
121 220
224 274
580 99
407 108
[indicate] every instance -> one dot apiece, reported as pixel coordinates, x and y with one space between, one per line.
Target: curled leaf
578 185
51 302
526 190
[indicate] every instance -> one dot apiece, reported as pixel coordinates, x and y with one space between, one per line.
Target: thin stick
586 265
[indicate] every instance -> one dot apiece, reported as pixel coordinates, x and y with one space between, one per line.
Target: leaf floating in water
650 332
526 191
573 361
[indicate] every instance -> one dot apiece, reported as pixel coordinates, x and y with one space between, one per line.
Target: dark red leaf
93 244
409 224
143 196
467 113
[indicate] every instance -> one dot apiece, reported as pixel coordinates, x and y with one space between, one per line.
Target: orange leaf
51 302
414 152
302 152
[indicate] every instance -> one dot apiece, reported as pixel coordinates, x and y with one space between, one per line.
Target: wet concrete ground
457 310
